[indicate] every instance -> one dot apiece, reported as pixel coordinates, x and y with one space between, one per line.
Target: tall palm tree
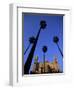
30 56
56 40
43 24
44 49
31 41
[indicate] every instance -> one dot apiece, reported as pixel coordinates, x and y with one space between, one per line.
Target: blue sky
54 28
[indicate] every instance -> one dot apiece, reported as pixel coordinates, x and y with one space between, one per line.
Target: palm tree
31 41
30 56
56 40
44 49
43 24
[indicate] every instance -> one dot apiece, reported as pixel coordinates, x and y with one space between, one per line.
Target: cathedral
45 67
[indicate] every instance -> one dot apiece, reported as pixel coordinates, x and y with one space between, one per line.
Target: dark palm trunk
44 51
44 61
56 40
30 56
27 48
59 49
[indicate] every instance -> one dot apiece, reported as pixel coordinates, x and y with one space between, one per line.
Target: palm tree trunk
27 49
30 56
44 61
60 50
